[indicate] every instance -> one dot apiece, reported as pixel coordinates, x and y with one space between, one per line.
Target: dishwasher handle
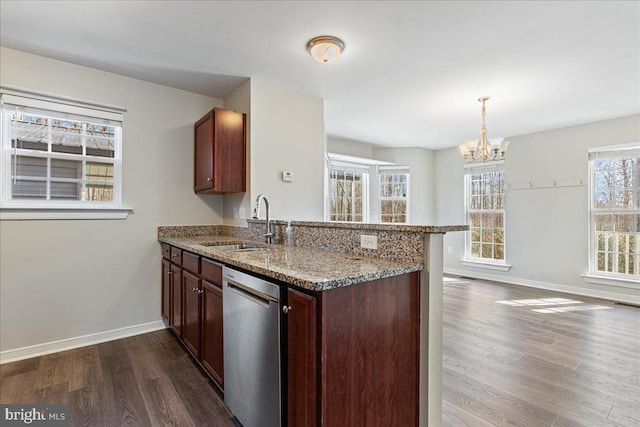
254 295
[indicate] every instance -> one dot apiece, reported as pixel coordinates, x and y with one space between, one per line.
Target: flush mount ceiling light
483 149
325 48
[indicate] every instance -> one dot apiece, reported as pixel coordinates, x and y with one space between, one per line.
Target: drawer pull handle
286 309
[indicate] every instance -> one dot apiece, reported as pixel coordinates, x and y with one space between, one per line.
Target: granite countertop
312 269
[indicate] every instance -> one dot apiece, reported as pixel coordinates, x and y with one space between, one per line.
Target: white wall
287 133
68 278
350 147
546 228
421 181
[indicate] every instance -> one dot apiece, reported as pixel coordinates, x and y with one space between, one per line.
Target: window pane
475 250
28 166
475 234
21 189
65 190
66 169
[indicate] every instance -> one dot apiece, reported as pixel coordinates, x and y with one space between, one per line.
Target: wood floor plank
88 407
454 416
19 367
86 368
163 404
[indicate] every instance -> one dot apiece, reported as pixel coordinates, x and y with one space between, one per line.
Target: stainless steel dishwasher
251 349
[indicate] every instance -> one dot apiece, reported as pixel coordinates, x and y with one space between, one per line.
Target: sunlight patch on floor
552 305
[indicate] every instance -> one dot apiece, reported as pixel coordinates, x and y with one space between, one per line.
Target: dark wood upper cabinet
220 152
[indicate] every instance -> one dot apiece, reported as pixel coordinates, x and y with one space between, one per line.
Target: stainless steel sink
234 247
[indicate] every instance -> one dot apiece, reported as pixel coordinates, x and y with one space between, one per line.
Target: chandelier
483 149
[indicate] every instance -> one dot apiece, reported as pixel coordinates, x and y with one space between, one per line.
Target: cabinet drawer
166 250
212 271
191 262
176 255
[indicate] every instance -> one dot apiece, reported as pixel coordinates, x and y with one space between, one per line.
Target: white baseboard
587 292
76 342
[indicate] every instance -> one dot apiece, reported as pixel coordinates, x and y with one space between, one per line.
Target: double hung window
366 190
57 154
485 208
347 190
615 212
394 194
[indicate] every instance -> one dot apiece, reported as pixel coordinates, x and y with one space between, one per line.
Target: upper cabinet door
220 147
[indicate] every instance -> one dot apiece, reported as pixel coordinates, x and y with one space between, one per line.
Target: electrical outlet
235 213
368 242
242 213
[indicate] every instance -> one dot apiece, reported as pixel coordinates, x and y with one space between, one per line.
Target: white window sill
486 265
16 213
611 281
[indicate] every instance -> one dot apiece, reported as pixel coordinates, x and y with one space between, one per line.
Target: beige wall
67 278
287 133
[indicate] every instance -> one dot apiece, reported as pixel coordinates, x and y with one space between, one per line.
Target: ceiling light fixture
483 149
325 48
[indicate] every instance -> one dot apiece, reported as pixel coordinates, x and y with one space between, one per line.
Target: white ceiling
411 71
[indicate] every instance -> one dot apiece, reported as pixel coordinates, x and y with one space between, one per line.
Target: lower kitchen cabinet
302 354
191 319
353 354
176 300
192 306
212 351
166 292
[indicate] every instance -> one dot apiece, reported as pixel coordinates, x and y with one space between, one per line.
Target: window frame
469 260
606 277
42 104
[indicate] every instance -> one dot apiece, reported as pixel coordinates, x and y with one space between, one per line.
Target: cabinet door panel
176 300
166 292
191 306
228 151
212 351
203 156
302 360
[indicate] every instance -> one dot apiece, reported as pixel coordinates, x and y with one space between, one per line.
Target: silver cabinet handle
208 179
286 309
200 291
194 289
169 272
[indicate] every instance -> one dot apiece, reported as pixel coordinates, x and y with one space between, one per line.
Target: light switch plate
368 242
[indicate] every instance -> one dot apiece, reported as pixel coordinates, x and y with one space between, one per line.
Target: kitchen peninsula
364 327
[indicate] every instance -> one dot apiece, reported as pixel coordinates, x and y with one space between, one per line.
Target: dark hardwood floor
517 356
575 363
145 380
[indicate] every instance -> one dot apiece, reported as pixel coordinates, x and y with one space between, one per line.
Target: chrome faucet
268 235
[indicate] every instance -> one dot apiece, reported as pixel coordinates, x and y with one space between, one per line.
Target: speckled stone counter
311 269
